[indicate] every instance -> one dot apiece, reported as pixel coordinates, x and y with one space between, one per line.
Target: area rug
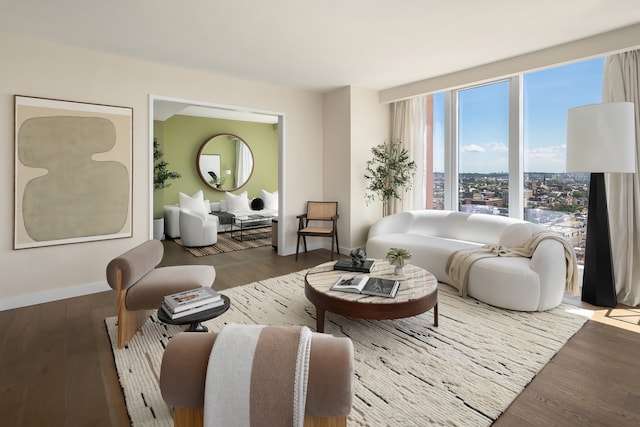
226 243
465 372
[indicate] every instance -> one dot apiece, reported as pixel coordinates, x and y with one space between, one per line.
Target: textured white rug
465 372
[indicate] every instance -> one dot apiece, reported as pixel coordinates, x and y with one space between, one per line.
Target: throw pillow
270 200
515 236
257 204
195 202
239 203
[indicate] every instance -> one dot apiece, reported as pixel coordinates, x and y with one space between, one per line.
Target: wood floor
56 366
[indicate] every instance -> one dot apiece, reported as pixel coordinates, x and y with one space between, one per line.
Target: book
347 264
363 284
186 300
193 310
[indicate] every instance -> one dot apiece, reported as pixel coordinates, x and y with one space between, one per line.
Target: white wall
370 126
354 121
41 69
336 158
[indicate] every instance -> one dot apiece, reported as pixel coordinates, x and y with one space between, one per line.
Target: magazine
194 310
347 264
186 300
363 284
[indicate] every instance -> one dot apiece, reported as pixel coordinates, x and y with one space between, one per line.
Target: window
483 162
483 149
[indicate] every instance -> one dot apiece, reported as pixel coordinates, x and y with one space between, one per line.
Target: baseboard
52 295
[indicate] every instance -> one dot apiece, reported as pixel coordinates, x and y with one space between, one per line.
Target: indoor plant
161 177
390 173
161 173
397 258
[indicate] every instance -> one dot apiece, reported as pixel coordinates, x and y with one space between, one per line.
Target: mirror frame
205 179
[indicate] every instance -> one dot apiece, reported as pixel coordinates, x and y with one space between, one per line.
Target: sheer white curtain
243 162
409 125
620 84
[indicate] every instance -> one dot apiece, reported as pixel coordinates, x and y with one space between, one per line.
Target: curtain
409 125
621 84
243 162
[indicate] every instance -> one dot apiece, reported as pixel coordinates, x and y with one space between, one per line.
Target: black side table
194 320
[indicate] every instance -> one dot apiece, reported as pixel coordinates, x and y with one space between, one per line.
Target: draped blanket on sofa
460 262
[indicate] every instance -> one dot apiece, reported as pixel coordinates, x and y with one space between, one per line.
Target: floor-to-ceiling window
554 198
483 148
475 130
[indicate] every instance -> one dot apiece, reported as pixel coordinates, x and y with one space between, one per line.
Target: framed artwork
73 172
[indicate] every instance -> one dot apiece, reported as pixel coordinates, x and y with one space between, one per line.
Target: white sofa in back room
518 283
223 211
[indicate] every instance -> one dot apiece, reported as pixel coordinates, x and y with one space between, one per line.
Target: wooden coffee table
418 293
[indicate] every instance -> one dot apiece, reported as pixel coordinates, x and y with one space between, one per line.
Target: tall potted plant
389 173
161 172
161 177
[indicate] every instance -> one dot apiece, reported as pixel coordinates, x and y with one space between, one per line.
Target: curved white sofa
516 283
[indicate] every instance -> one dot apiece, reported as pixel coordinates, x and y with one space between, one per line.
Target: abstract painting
73 172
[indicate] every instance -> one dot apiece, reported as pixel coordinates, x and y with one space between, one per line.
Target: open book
363 284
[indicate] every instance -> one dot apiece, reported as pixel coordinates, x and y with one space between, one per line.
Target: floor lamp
600 138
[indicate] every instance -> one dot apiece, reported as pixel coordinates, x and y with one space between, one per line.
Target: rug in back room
226 243
464 372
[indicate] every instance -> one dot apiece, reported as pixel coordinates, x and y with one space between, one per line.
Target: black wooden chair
320 220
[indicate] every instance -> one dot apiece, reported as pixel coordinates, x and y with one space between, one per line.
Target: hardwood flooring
56 366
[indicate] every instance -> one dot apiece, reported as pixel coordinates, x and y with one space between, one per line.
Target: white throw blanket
257 376
460 262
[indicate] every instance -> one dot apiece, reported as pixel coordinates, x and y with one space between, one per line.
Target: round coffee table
418 293
194 320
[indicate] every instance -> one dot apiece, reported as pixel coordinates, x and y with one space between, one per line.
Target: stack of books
348 264
190 302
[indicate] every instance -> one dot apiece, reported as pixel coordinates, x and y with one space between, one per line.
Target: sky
483 119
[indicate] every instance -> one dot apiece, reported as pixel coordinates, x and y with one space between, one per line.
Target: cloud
552 153
498 147
473 148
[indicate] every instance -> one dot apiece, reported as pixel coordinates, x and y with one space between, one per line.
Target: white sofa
516 283
232 206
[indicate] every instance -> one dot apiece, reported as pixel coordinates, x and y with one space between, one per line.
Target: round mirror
225 162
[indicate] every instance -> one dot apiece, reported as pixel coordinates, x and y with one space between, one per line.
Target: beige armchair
329 386
141 286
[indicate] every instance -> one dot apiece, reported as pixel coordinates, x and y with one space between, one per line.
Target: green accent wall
180 138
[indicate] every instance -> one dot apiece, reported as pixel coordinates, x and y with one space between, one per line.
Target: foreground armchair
329 386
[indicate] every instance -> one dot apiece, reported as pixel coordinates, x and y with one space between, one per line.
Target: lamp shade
601 138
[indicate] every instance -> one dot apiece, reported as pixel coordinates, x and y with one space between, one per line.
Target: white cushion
238 203
515 235
270 200
223 206
195 202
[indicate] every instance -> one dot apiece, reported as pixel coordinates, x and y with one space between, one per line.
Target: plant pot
158 229
398 271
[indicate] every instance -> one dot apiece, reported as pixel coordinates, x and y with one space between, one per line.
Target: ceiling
319 45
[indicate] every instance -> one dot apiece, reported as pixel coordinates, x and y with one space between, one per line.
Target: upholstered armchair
329 390
141 285
198 228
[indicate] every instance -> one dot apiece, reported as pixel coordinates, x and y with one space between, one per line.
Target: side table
194 320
